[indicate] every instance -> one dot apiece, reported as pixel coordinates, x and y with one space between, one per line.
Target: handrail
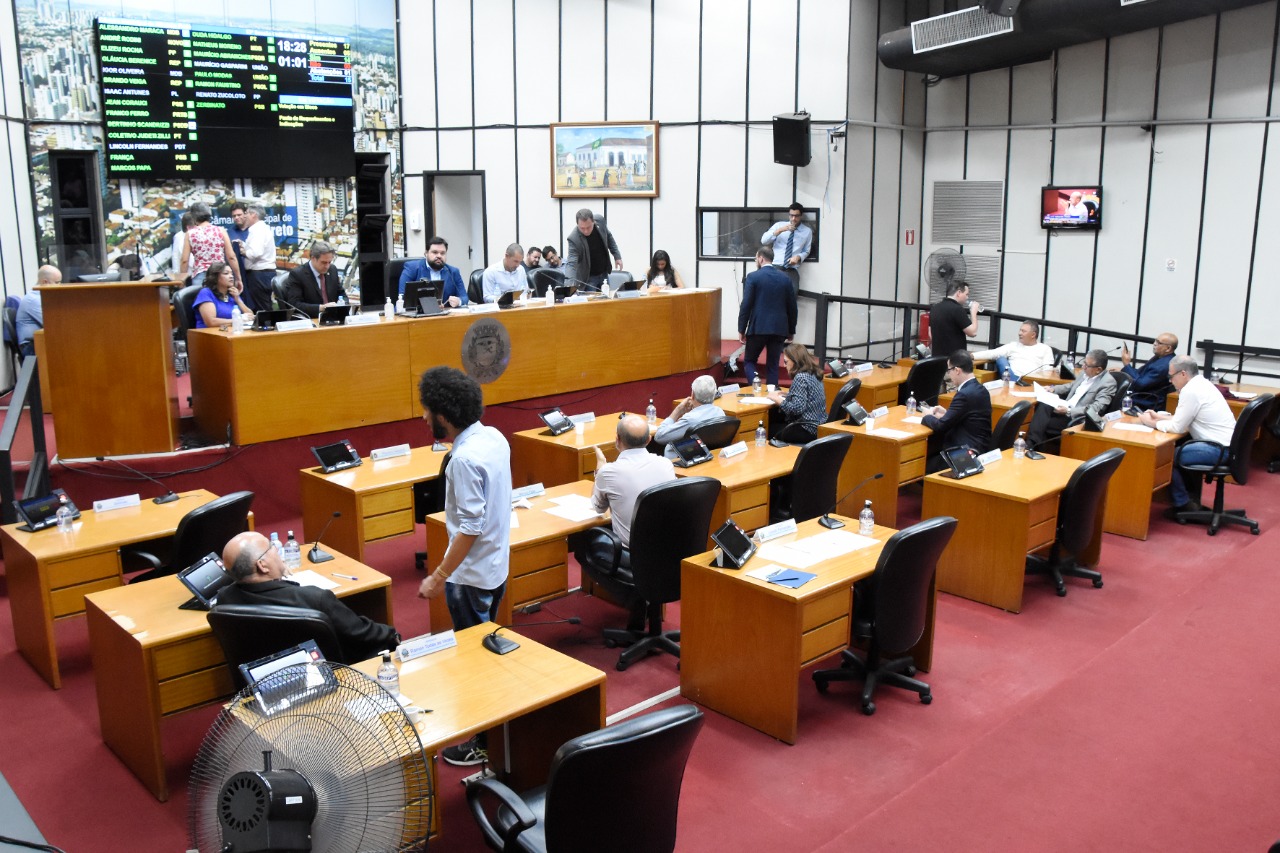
1212 349
25 393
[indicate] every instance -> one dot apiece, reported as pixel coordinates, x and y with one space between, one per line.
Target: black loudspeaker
791 145
1004 8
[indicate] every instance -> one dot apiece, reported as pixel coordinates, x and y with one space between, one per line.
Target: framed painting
604 160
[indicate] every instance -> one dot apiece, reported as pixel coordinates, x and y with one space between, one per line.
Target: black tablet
337 456
734 543
857 414
290 677
205 579
963 463
556 421
265 321
39 513
691 451
334 315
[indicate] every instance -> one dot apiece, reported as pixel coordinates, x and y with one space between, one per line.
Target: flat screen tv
1071 207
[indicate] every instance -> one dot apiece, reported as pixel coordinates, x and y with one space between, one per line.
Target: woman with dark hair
660 269
806 404
206 244
219 298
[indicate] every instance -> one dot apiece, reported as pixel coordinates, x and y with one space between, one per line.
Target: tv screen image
1071 207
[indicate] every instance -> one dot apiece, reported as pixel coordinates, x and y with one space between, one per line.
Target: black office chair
391 277
11 339
900 588
810 489
543 279
1273 427
1079 522
924 380
184 302
1234 465
718 433
248 632
279 290
1006 429
205 529
615 789
795 432
672 521
1123 383
475 287
847 392
428 498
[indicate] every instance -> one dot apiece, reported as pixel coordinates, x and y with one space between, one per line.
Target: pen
344 577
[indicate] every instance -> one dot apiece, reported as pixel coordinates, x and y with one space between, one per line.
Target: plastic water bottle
389 676
550 297
866 520
757 387
912 405
400 304
651 413
292 553
762 435
275 543
237 321
65 518
342 298
1127 403
1008 380
1020 446
388 311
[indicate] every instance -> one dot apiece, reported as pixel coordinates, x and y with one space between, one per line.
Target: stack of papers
812 550
307 577
573 508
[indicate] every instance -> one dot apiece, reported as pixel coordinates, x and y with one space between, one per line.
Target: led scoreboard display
203 102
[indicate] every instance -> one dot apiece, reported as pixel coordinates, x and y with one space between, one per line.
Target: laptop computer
39 513
690 451
287 678
206 578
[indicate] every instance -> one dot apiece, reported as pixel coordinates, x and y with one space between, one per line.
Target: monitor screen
415 290
1076 208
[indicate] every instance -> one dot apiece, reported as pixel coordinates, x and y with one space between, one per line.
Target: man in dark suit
767 317
434 268
315 284
590 245
967 423
259 570
1092 391
1151 384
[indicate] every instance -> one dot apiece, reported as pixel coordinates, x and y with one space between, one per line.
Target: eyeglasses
270 545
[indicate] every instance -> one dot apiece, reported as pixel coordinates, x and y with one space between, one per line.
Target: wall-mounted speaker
791 145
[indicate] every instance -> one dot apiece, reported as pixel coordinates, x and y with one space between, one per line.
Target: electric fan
943 267
335 765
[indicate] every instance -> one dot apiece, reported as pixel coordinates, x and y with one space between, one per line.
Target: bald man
259 572
30 316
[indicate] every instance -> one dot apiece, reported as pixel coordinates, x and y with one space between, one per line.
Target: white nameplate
773 531
994 385
294 325
733 450
880 412
362 319
531 491
122 502
389 452
576 298
628 294
584 418
729 389
1112 416
863 368
485 307
416 647
991 456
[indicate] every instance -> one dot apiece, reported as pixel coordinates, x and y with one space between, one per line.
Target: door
456 212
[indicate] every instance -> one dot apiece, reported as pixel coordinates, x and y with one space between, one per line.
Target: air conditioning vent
957 28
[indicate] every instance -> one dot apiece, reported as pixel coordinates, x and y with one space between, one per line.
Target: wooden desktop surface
1005 513
744 482
50 572
900 458
152 659
554 460
879 385
744 641
235 379
1146 468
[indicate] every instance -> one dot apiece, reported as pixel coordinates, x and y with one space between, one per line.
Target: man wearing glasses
1092 391
260 575
967 423
1151 383
1203 412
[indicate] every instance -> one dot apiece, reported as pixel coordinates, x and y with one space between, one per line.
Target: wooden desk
554 460
539 568
1001 402
744 642
236 378
744 482
375 499
1146 468
750 414
152 660
1049 376
1237 406
879 385
900 458
50 573
1005 513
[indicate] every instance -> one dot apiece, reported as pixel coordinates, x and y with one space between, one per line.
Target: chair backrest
618 278
795 432
248 632
903 575
1247 426
391 276
618 788
1010 422
814 476
208 528
718 433
924 380
185 302
672 521
544 278
475 287
277 288
1081 502
846 393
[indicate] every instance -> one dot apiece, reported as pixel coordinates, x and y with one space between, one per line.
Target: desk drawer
535 558
824 640
751 496
911 469
753 518
70 601
886 395
826 609
551 582
83 569
392 500
198 688
1162 474
181 658
388 525
1042 510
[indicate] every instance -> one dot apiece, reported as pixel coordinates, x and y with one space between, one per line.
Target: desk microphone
168 497
303 315
501 645
315 555
833 523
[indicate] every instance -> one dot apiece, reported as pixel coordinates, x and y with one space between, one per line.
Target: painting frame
622 159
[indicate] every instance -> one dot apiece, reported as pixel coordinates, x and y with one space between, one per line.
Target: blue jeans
470 605
1192 453
1002 364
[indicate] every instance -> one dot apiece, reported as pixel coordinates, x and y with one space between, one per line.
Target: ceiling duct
1038 28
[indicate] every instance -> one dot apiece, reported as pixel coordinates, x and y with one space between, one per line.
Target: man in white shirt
1204 414
1092 391
506 276
1023 356
259 252
1076 209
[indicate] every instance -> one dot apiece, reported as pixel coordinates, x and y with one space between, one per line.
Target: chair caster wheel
610 644
1253 530
868 708
622 666
1097 584
926 698
1062 590
1213 531
821 684
910 672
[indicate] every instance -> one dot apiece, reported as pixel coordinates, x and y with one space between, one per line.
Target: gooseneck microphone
169 495
315 555
501 645
834 523
302 315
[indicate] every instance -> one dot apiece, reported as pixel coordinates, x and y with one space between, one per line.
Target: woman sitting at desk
219 297
806 404
661 273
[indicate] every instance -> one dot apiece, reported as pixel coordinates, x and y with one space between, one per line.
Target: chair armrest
524 817
603 549
150 559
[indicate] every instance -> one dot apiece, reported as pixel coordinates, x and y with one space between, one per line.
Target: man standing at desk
967 423
790 242
767 316
314 285
258 248
259 571
30 316
953 319
434 268
506 276
590 245
695 410
1151 383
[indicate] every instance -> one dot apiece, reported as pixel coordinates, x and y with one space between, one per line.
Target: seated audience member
505 276
806 403
261 578
967 422
551 258
661 273
1151 384
219 298
30 316
433 268
314 285
532 260
1023 356
1092 391
694 411
1204 414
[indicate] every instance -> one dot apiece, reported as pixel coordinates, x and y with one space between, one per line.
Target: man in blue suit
1151 384
433 268
767 318
967 422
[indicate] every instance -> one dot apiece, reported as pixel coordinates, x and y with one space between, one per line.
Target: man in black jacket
259 570
967 422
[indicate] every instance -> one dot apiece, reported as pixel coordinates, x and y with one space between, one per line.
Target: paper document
573 513
1046 397
515 520
914 419
306 577
812 550
1133 427
573 501
1028 394
891 433
755 401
